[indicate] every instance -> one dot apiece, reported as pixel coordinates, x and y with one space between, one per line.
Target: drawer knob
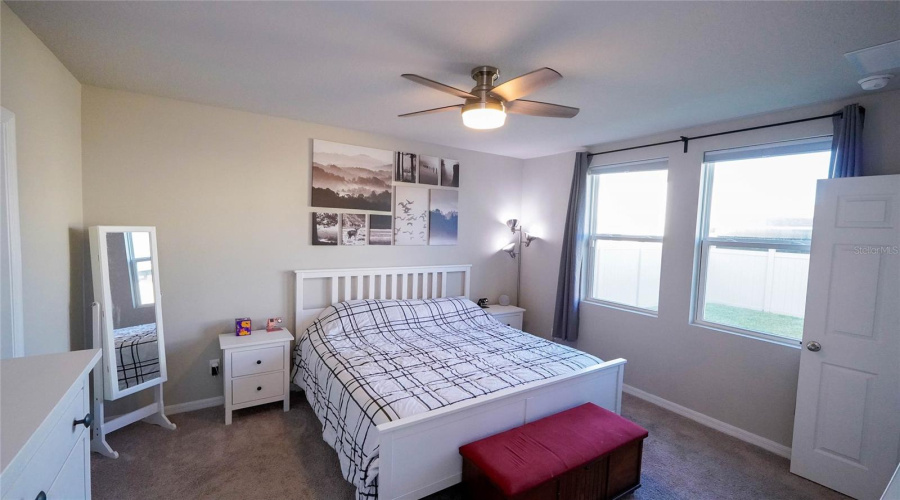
86 421
259 388
41 496
259 361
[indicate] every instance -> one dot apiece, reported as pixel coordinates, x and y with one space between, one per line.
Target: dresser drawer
266 359
267 385
48 460
514 320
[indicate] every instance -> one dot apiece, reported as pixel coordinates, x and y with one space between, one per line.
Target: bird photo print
410 216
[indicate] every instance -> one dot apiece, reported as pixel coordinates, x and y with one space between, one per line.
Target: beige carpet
269 454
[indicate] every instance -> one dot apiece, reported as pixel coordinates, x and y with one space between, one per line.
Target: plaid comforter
368 362
137 354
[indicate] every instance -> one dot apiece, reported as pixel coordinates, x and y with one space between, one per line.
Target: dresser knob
86 421
259 361
41 496
259 388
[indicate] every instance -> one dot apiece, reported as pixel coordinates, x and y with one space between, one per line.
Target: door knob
814 346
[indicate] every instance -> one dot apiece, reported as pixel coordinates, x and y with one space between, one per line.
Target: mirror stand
154 413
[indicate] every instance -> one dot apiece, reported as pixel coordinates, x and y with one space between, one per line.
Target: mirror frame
99 255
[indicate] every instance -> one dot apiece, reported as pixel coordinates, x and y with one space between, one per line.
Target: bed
137 354
401 373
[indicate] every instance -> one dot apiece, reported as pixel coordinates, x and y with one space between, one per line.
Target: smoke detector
875 82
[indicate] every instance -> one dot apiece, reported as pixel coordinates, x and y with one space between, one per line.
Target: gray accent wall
745 382
46 100
229 192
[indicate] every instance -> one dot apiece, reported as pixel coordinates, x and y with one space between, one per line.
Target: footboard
419 455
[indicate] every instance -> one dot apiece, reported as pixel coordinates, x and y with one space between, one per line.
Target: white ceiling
632 68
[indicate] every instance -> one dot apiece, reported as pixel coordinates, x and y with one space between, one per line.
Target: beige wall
46 100
742 381
228 192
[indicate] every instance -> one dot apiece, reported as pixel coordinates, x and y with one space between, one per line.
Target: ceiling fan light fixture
484 115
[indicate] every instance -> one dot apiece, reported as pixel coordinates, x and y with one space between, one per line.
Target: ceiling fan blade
526 84
535 108
434 110
439 86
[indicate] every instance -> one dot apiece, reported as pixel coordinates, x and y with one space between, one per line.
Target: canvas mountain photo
351 177
444 217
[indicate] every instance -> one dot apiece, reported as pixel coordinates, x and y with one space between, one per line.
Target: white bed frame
419 455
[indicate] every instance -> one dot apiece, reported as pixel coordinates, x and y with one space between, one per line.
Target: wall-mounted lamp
514 249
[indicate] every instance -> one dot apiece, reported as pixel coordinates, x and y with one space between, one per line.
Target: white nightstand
257 368
509 315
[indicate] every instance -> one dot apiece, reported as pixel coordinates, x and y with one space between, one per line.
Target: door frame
10 227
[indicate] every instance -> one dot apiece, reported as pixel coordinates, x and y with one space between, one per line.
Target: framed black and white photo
410 215
429 170
443 217
449 173
380 229
353 229
351 177
324 228
406 167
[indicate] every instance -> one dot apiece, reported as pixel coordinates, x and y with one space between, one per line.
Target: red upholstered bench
582 453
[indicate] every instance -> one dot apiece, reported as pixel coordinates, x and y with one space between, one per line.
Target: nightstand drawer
266 359
514 320
267 385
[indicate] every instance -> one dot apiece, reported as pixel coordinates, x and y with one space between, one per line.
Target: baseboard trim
195 405
736 432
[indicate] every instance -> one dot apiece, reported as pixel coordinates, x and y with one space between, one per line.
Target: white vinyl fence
767 281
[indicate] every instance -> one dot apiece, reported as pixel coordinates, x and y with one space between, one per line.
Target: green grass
758 321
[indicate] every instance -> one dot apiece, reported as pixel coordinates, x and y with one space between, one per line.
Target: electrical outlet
214 367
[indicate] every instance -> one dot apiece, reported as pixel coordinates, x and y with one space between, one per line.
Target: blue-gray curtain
568 290
846 144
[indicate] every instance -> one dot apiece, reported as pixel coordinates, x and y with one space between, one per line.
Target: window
627 218
755 233
141 268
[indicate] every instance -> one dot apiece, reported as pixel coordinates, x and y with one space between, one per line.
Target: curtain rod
684 140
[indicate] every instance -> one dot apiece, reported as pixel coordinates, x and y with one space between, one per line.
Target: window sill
772 339
622 307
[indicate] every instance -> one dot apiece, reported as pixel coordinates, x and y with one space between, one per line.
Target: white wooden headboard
426 282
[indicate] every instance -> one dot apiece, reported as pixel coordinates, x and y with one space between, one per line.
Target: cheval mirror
128 327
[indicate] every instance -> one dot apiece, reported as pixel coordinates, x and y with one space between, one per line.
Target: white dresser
45 426
257 369
508 315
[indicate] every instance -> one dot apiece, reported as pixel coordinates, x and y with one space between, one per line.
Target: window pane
140 245
631 203
627 272
770 197
145 282
761 290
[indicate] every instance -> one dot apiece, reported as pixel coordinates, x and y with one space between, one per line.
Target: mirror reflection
133 312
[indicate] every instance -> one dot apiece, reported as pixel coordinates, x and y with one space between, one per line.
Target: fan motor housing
486 102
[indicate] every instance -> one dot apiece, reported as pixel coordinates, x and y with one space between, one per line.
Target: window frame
133 273
591 238
704 241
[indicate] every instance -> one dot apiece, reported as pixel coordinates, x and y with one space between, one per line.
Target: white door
847 421
12 343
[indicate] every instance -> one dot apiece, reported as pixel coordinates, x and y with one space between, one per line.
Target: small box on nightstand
257 369
508 315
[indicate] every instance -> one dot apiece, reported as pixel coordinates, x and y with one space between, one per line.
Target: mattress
137 354
368 362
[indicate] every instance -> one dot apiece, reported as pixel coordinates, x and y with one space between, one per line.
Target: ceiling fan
486 105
